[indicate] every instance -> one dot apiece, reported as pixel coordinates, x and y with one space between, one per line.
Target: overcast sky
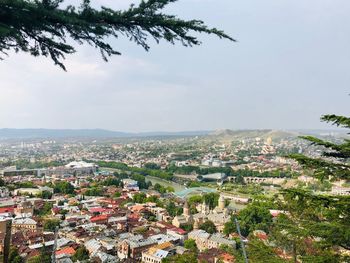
291 64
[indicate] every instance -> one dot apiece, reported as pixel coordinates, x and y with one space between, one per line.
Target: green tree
211 199
81 254
258 252
94 191
63 187
44 257
14 256
152 166
253 217
51 224
139 198
42 27
45 210
190 244
184 258
2 182
208 226
239 179
46 195
230 226
173 210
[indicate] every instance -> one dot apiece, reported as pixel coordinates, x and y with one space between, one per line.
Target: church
219 215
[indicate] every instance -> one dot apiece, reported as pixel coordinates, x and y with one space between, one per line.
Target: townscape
228 142
153 199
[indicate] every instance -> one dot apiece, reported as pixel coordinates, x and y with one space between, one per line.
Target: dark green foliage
25 185
173 210
140 180
139 198
253 217
14 256
211 199
152 166
324 167
44 257
114 165
81 254
239 179
208 226
230 227
42 27
45 210
317 225
195 199
51 224
162 189
63 187
187 228
159 188
46 195
185 258
258 252
190 244
112 181
94 191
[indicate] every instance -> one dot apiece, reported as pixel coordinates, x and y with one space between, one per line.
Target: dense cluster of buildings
109 228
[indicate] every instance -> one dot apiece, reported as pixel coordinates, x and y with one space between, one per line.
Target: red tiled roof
227 257
6 209
178 230
97 210
99 218
66 250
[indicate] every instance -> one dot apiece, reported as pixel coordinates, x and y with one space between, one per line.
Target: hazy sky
291 65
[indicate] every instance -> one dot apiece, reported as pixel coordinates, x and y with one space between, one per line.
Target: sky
290 66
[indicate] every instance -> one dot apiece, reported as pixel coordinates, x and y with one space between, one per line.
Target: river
177 187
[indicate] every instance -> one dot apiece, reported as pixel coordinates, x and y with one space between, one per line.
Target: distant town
151 199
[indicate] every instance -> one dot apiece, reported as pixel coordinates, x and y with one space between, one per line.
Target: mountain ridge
13 133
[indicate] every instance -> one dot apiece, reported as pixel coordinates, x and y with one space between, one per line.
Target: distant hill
224 134
227 134
58 133
84 133
276 135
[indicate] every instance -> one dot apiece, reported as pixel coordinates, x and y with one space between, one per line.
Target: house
130 185
157 253
206 241
24 224
133 246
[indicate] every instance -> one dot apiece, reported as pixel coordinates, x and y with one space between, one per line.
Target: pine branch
323 168
340 121
338 150
41 28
